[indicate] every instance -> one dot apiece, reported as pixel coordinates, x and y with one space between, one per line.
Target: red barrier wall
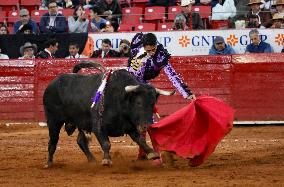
252 84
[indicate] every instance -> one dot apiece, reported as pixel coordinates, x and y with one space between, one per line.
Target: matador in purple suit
147 59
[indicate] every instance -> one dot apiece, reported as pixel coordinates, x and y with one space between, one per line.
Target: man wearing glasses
25 20
53 21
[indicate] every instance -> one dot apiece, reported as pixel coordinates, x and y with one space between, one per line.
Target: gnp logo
184 41
232 40
195 41
279 39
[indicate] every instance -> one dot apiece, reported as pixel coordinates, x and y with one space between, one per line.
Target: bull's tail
89 64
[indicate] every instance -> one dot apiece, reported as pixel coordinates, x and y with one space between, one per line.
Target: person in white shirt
74 52
3 56
28 51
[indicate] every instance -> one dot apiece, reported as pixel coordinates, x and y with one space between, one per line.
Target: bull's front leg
136 137
105 145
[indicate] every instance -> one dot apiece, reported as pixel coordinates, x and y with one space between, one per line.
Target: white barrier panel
189 43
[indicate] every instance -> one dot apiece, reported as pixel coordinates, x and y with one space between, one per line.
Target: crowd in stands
91 16
79 16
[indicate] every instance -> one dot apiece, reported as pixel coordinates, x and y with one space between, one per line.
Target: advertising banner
189 43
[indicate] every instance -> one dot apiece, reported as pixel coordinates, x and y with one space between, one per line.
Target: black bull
126 108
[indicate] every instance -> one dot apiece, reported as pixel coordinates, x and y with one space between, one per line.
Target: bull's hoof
48 165
167 158
153 155
106 162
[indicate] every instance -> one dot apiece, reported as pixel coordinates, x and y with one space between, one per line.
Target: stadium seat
2 16
30 4
154 13
172 12
165 26
66 12
204 11
124 28
36 15
132 15
9 2
144 27
219 24
7 5
13 16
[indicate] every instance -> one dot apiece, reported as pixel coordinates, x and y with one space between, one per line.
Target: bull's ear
131 88
164 92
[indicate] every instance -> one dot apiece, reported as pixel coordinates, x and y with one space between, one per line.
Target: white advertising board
189 43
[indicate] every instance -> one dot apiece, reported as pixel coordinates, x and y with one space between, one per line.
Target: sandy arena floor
248 156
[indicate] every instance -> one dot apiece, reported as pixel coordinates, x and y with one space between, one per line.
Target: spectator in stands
51 46
124 48
279 5
74 51
28 51
193 20
241 7
257 46
96 20
3 56
219 47
278 21
89 3
253 22
107 27
25 19
111 11
203 2
52 22
26 29
3 29
161 3
78 23
105 51
264 17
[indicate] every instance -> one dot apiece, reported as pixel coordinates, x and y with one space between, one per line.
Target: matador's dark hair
149 39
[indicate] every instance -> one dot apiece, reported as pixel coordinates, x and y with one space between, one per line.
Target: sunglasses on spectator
219 43
23 15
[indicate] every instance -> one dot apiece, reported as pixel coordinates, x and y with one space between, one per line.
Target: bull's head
141 102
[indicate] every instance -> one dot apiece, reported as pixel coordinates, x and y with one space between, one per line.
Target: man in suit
51 46
53 21
105 51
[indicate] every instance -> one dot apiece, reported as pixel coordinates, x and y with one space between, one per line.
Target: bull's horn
131 88
164 92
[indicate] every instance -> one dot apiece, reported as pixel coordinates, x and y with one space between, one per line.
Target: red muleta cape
195 130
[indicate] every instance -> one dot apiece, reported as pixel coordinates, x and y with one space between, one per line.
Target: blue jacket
60 24
262 47
31 23
227 51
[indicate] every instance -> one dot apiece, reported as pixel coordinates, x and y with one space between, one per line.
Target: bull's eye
139 104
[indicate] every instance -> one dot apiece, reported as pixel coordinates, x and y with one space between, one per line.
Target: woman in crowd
78 23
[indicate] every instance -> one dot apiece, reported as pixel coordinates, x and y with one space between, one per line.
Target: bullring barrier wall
253 84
